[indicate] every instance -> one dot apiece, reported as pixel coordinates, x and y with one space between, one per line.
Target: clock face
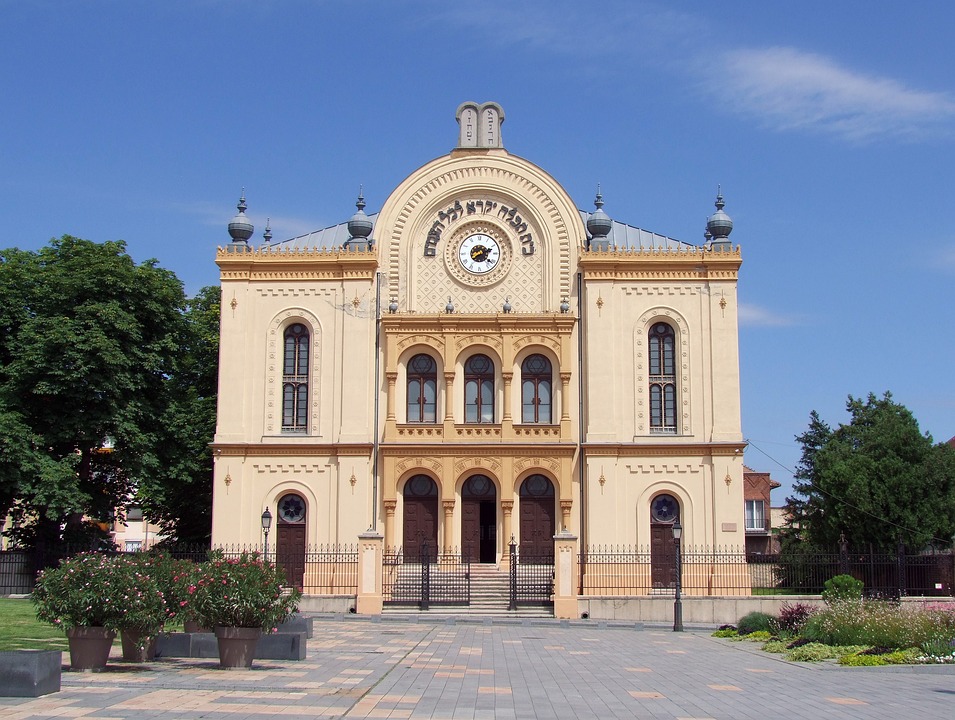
479 253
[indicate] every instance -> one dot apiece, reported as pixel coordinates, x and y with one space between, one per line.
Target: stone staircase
490 595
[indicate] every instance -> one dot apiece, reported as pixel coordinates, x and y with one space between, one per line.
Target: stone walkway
475 668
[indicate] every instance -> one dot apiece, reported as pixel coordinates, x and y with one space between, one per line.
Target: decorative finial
599 225
564 306
719 224
359 226
507 304
449 308
240 229
268 230
393 306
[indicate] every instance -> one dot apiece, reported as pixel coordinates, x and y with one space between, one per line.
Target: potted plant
146 610
87 595
240 597
179 576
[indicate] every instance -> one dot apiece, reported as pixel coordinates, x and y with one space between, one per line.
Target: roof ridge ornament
599 225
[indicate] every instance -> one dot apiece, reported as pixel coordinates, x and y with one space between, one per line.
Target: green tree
876 480
179 496
88 341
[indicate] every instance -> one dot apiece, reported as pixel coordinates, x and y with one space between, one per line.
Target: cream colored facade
480 253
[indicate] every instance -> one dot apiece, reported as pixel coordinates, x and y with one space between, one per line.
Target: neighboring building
134 533
480 361
757 487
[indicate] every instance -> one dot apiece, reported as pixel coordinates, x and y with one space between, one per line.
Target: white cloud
755 316
791 89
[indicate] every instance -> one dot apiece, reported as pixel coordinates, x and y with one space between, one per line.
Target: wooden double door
420 523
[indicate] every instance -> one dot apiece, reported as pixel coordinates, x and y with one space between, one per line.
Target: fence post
425 577
843 555
900 564
512 572
565 574
370 557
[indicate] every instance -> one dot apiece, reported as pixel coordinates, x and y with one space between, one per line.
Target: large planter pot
193 626
138 647
237 646
89 647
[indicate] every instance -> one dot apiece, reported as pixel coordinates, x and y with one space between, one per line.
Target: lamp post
266 524
678 602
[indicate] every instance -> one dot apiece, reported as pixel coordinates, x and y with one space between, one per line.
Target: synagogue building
476 369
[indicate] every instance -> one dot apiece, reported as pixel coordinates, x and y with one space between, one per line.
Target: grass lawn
20 630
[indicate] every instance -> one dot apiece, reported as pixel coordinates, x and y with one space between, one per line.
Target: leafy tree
88 342
876 480
179 497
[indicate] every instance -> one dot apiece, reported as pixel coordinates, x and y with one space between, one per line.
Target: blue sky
830 127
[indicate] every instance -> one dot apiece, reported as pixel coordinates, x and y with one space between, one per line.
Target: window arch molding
465 369
641 510
293 487
274 366
517 393
404 371
641 364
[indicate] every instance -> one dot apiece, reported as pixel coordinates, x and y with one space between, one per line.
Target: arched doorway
420 517
664 511
537 518
290 538
479 520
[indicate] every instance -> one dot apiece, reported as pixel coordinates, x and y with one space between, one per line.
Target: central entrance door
290 539
538 518
664 511
420 518
479 520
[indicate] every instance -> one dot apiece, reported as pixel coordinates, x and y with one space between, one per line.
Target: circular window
292 509
478 486
420 486
664 509
422 364
537 486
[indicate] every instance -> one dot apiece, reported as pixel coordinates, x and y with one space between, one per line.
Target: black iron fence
531 577
724 571
316 570
426 577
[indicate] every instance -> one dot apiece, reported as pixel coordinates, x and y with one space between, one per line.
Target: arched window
295 380
422 389
536 390
479 390
662 379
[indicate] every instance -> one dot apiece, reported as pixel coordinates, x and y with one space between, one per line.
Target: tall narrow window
536 390
422 389
662 379
295 380
479 390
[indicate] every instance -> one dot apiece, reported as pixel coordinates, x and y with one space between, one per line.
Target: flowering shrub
792 618
241 592
94 590
879 623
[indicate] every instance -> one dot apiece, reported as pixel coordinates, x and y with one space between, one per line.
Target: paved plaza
474 668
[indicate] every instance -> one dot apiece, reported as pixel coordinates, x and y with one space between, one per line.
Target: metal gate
427 578
532 578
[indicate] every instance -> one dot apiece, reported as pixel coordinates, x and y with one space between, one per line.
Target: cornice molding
663 449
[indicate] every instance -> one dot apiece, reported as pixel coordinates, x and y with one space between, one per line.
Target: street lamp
678 602
266 524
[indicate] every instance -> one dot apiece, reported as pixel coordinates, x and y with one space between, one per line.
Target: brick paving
473 668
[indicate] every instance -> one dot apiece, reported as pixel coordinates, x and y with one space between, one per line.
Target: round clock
479 253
